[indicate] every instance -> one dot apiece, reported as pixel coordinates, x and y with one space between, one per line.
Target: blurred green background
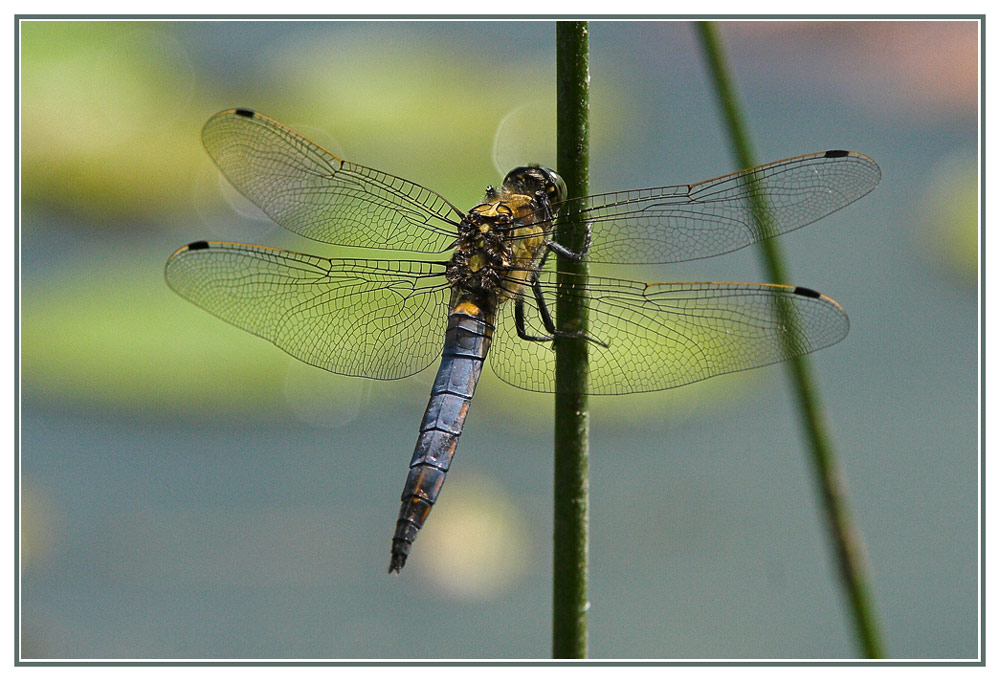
190 491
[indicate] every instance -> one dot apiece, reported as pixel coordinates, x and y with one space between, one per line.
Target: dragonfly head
530 179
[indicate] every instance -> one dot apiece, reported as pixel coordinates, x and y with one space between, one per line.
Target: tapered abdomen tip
397 562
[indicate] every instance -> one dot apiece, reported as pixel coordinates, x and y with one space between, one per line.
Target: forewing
372 318
662 336
687 222
311 192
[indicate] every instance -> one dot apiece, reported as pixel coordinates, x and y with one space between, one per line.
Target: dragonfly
481 282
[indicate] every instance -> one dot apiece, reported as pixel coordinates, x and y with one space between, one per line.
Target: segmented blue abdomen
467 340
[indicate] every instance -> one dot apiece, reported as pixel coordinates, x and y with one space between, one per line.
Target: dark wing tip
248 113
179 254
837 153
193 246
807 292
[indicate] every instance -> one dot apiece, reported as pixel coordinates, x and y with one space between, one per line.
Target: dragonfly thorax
499 243
484 250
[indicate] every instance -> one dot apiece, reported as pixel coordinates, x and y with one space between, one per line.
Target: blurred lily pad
106 117
114 337
949 216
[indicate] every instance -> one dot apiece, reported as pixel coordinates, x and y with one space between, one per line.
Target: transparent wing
665 335
373 318
687 222
311 192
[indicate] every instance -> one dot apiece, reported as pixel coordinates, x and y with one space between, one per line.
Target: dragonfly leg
522 332
546 316
575 256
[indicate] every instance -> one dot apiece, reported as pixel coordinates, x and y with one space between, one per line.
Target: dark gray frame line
18 661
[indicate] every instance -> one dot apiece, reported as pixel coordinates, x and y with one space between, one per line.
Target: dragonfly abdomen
467 340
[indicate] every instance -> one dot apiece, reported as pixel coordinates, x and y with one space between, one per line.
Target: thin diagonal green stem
571 481
843 536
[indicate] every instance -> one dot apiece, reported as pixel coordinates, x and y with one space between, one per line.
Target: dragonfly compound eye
556 187
528 180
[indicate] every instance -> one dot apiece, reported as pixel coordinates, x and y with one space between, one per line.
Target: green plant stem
570 503
843 536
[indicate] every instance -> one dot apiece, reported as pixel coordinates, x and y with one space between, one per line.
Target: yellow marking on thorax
526 242
489 209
